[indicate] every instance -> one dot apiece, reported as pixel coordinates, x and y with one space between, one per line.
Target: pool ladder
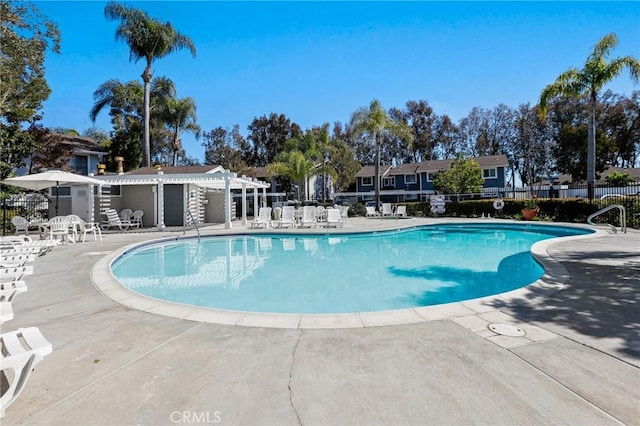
184 227
623 218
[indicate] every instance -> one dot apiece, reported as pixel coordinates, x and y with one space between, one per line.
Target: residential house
409 182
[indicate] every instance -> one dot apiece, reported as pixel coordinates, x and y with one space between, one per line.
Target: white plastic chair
386 209
288 217
15 274
264 218
6 312
15 260
401 211
21 351
136 219
9 290
113 220
371 211
308 217
21 224
334 218
126 214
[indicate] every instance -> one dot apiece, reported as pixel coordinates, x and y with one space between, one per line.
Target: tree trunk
146 143
591 150
377 172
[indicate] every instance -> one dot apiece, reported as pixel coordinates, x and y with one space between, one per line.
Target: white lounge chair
263 219
15 274
308 217
21 224
25 245
21 351
386 209
334 218
9 290
288 217
401 211
113 221
371 211
6 312
16 260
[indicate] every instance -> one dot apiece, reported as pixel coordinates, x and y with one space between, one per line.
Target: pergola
223 181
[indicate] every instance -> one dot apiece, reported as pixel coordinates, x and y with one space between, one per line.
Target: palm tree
595 74
180 115
148 39
373 123
294 165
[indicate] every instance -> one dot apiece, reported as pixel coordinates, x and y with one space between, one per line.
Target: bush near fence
556 210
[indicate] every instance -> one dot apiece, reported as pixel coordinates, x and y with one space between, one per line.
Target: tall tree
268 136
598 70
148 39
373 122
25 38
294 165
180 116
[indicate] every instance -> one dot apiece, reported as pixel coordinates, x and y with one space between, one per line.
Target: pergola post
255 202
227 203
160 225
244 204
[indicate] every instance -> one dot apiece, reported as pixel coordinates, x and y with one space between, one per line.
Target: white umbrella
49 179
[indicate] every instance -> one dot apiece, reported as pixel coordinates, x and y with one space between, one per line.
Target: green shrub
357 209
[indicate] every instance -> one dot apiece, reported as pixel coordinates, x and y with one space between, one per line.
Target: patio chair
60 226
79 226
9 290
21 351
386 209
113 221
287 219
321 214
371 211
15 274
264 218
344 212
21 224
25 245
401 211
334 218
126 215
6 312
15 260
136 219
308 217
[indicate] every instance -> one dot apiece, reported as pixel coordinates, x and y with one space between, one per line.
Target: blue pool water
339 273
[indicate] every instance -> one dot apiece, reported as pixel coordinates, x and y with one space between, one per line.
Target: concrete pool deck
578 363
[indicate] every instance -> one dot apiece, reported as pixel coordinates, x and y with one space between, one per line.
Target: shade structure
49 179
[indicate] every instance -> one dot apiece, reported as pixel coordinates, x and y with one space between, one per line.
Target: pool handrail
623 218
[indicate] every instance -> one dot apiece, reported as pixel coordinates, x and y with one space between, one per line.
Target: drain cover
506 329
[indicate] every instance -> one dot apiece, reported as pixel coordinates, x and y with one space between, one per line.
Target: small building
178 196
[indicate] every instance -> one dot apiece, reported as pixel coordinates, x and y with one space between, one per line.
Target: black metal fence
30 205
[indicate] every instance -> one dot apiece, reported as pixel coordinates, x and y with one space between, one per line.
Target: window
389 181
409 178
489 173
63 191
367 181
81 164
113 190
431 176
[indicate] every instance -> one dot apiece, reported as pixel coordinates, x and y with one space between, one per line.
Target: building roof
484 162
80 144
261 172
403 169
171 170
369 171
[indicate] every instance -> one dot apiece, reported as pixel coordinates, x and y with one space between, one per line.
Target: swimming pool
340 273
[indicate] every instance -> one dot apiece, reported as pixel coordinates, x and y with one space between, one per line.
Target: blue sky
318 62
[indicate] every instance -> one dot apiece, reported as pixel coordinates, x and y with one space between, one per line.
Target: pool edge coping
554 279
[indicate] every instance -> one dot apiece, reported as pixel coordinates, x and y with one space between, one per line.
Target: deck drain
506 329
